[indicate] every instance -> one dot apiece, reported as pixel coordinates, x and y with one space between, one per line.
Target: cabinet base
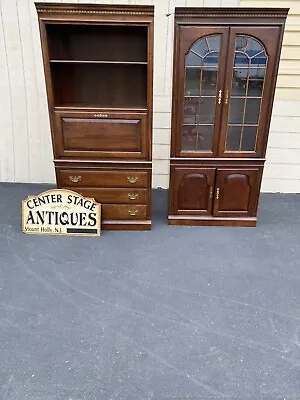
126 225
194 220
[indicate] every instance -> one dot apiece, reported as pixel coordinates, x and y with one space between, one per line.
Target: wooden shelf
99 62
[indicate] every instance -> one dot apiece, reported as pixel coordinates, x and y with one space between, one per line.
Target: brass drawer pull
211 192
132 179
132 213
100 115
133 196
218 193
75 179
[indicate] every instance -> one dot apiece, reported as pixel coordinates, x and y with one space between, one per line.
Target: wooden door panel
237 192
252 62
199 79
97 135
193 190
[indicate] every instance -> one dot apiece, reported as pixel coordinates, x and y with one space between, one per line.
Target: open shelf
99 62
99 85
97 42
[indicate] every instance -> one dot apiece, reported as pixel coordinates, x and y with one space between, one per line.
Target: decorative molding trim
97 9
231 12
66 11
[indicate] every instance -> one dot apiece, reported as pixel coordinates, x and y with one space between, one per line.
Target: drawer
114 195
98 135
123 212
104 178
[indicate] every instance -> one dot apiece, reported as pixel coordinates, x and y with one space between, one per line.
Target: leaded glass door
201 73
246 101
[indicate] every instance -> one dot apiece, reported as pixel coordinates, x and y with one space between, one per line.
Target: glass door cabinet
225 69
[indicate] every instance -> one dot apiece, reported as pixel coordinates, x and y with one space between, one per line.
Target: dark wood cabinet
225 69
98 62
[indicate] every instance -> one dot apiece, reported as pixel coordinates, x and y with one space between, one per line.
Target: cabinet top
220 12
83 8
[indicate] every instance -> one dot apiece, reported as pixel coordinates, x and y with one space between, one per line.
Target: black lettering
93 207
82 217
69 198
41 200
40 216
74 218
53 198
64 220
59 199
29 205
50 213
92 217
30 218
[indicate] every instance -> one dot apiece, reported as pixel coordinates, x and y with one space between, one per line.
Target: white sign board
61 212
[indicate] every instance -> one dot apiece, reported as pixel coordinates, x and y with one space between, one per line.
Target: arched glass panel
201 73
250 63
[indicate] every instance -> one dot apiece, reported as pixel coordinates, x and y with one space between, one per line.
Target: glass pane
255 88
192 81
200 94
197 138
239 81
191 110
189 138
233 138
209 82
211 60
206 110
241 60
249 138
214 43
236 111
241 43
253 47
192 60
259 61
200 47
205 135
256 73
252 111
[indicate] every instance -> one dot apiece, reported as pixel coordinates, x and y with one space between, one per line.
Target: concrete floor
174 313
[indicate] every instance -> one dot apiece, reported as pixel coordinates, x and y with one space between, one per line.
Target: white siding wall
25 151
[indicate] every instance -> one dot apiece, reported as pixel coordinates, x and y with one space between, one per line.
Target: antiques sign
61 212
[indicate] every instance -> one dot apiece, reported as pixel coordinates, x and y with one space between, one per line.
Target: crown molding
98 9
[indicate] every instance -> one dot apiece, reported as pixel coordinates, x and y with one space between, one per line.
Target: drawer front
113 135
113 195
88 178
123 212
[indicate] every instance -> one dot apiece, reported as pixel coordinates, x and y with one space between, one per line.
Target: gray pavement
174 313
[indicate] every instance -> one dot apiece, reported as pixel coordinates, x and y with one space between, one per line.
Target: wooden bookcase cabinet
98 62
225 70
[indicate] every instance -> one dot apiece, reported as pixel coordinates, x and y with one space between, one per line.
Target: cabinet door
198 83
249 86
236 192
193 190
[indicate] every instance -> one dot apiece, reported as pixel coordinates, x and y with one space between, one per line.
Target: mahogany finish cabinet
98 62
225 69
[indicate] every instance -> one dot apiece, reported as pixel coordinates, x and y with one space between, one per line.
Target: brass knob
75 179
211 192
218 193
132 179
133 196
132 213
